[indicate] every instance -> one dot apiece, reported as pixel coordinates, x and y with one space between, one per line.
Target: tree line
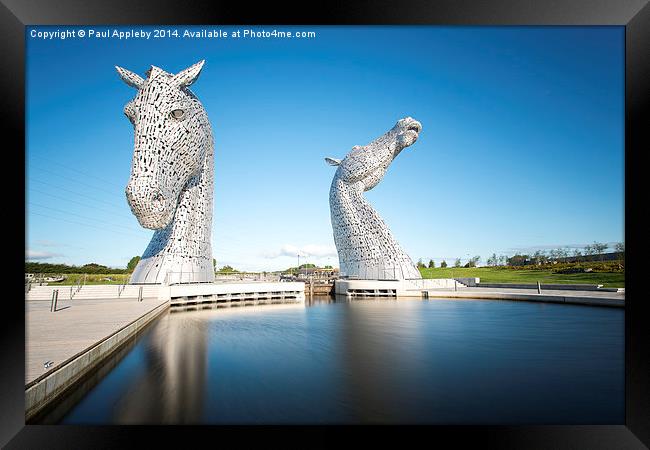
591 252
472 262
92 268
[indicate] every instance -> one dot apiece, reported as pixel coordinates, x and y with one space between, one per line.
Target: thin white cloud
46 243
309 250
40 255
54 244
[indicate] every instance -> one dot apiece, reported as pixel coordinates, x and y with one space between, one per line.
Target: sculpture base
234 294
375 269
397 288
172 269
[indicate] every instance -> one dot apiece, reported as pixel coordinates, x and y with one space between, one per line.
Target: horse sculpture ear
188 76
130 78
332 161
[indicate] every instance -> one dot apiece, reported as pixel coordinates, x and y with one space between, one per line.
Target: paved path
594 298
564 293
73 328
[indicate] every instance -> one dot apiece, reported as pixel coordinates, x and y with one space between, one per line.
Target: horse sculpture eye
178 114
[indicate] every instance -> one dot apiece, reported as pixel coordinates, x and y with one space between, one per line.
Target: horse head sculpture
171 185
366 247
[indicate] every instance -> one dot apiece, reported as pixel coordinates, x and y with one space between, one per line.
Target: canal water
364 361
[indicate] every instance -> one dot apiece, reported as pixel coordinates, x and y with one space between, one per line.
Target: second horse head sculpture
367 249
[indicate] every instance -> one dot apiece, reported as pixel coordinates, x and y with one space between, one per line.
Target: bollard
539 288
455 285
55 300
140 294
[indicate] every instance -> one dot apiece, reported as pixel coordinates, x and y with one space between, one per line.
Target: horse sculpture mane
172 176
366 247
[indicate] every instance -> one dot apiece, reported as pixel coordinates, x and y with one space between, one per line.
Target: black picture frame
633 14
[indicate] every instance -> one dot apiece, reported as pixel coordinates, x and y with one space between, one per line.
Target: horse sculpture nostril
159 201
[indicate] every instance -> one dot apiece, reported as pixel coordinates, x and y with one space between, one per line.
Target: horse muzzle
150 206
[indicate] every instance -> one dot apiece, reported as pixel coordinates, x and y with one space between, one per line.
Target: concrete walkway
76 326
595 298
563 292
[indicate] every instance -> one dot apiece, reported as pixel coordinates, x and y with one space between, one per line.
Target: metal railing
183 277
77 287
246 276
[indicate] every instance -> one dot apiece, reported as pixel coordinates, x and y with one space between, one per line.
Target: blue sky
522 145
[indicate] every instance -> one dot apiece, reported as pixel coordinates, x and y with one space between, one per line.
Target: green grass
502 275
73 278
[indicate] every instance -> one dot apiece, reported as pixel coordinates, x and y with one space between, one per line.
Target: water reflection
175 356
371 337
322 300
366 361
